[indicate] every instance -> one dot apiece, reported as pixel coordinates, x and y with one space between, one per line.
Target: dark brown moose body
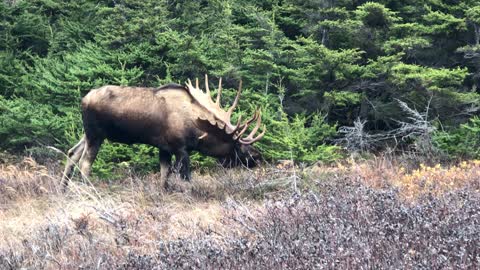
174 118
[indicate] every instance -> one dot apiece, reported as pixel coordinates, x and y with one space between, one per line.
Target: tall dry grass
380 213
25 180
43 228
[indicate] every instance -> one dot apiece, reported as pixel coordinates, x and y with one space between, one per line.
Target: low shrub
461 143
339 220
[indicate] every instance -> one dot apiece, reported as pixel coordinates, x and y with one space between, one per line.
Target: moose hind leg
89 154
73 156
182 164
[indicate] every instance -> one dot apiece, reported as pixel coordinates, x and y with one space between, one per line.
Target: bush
24 124
463 142
350 226
300 137
359 216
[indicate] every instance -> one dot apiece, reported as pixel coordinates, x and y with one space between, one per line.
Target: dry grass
25 180
416 181
122 225
130 215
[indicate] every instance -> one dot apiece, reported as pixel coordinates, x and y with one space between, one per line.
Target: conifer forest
370 159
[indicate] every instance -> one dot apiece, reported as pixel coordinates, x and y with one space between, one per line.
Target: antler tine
219 92
235 102
247 124
250 139
256 138
255 129
237 126
206 85
196 84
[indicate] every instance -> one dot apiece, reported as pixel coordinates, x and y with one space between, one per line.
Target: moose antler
237 130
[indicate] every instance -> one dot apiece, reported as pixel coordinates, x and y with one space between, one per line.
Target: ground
382 213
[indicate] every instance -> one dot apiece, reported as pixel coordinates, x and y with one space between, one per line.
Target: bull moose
177 119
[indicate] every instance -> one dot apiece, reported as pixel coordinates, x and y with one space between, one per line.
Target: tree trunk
324 36
477 34
364 106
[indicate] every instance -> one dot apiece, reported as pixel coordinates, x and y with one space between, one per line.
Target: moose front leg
165 166
182 164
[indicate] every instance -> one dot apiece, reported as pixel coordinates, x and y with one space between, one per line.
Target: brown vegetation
371 214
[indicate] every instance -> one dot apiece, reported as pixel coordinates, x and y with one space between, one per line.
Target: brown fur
165 117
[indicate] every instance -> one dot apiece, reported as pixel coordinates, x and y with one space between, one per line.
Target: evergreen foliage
463 142
313 65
